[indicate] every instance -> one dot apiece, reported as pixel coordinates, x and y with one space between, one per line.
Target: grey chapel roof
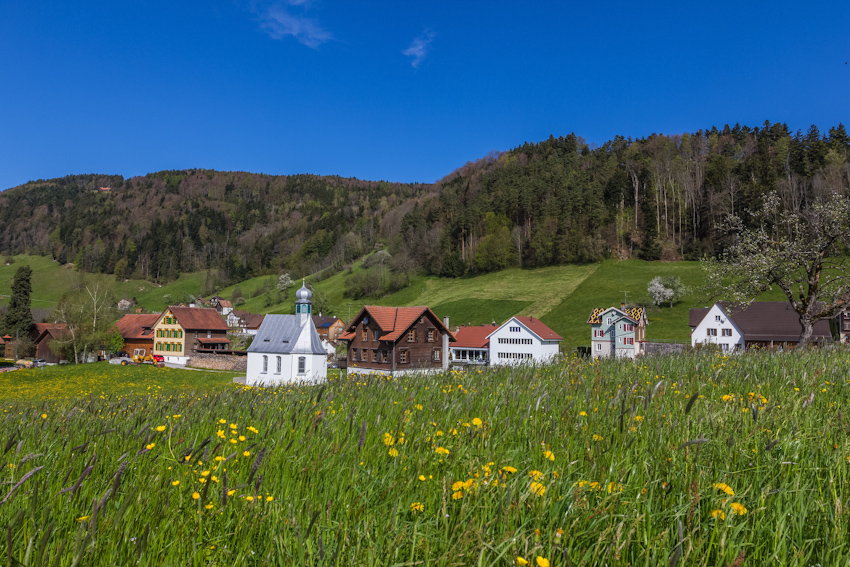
282 334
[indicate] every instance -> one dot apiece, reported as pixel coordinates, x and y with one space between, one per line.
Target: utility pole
625 297
16 344
349 314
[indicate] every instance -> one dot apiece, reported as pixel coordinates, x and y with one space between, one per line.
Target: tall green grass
580 463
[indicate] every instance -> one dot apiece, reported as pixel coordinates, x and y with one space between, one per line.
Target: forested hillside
554 202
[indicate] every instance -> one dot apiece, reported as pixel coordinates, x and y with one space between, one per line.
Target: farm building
523 340
617 332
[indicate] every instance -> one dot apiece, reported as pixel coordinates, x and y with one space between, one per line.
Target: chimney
446 344
623 305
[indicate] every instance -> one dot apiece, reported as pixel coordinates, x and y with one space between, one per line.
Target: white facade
287 348
717 328
515 343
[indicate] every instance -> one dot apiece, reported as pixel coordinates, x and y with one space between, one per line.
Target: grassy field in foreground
77 381
691 460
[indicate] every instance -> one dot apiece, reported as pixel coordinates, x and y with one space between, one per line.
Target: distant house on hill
472 345
244 322
287 348
221 305
618 332
138 333
764 324
523 340
397 340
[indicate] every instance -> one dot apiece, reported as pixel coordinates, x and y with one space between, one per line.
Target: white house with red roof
523 340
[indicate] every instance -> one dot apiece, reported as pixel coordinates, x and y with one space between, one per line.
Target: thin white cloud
279 22
419 48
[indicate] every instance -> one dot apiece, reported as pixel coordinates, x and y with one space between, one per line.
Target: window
402 356
178 347
727 332
209 334
168 347
302 364
717 317
436 355
265 364
353 355
514 329
411 335
609 321
374 356
364 355
430 335
365 334
598 346
180 334
278 364
711 332
375 334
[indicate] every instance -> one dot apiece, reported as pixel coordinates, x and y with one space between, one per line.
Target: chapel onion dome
303 294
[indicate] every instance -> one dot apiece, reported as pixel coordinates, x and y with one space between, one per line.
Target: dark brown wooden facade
396 339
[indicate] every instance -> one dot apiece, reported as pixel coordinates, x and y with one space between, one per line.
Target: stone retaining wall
219 362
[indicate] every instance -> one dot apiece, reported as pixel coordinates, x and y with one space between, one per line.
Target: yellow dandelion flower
441 450
233 426
195 495
219 458
509 469
521 561
537 489
542 561
176 416
422 477
417 507
718 514
205 473
549 455
246 454
269 498
393 452
150 447
187 458
202 480
477 422
249 498
457 485
582 414
457 495
209 506
44 416
253 430
231 492
175 482
160 428
738 508
222 421
597 437
241 437
724 488
234 441
536 475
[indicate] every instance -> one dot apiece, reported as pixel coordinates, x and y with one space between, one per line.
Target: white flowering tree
284 282
803 254
666 289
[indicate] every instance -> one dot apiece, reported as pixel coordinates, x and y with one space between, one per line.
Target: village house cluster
400 340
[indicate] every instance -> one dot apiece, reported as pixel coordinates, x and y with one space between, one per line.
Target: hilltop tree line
553 202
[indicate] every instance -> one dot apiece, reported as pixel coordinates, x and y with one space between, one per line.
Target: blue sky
401 91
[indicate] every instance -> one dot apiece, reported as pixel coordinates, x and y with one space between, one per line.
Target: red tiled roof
213 341
394 321
225 303
473 337
195 318
539 329
58 331
253 321
133 326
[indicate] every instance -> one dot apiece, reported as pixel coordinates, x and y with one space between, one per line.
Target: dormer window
717 318
609 321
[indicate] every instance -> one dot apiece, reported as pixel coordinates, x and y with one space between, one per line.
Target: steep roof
134 326
473 337
537 327
252 320
201 318
49 330
633 313
773 321
282 334
697 314
394 321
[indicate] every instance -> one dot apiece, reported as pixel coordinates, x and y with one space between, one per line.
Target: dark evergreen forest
552 202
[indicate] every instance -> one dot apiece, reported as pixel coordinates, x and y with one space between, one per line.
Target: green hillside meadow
690 460
561 296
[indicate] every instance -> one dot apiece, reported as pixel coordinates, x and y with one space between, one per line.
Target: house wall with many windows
717 328
523 340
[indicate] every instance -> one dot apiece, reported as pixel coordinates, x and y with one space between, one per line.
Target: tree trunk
806 335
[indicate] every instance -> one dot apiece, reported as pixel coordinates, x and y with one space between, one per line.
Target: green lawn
102 378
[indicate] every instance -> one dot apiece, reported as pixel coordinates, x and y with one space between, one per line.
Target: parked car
122 360
30 362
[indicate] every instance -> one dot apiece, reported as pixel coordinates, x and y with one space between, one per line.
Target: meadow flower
253 430
83 518
582 414
509 469
205 473
150 447
542 562
597 437
249 498
422 477
549 455
389 440
457 486
457 495
738 508
187 458
393 452
44 416
537 489
195 495
202 480
222 421
246 454
718 514
175 482
233 426
220 433
231 492
724 488
176 416
536 475
441 450
521 561
241 437
417 507
476 422
269 498
160 428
